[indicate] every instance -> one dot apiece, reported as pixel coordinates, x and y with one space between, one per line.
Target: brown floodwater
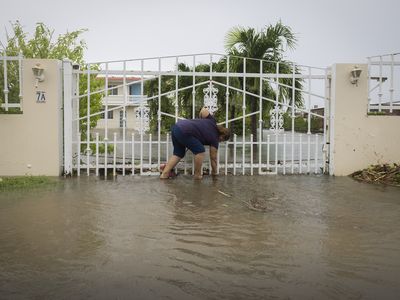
141 238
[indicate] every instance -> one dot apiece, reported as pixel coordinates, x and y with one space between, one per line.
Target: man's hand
203 113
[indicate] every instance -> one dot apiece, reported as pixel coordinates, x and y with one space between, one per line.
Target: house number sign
40 97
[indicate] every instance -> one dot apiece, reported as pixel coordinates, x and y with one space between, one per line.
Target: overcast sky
327 31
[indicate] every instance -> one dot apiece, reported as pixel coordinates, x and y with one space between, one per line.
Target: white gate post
67 67
332 109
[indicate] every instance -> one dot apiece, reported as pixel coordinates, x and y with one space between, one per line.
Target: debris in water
258 204
225 194
386 174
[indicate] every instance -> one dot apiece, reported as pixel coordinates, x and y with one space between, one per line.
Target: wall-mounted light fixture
38 72
355 75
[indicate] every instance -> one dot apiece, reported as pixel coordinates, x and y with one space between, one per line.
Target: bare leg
172 162
198 162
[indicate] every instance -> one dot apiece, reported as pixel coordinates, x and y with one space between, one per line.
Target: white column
67 67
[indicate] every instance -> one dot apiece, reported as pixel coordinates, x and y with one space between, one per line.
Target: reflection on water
141 238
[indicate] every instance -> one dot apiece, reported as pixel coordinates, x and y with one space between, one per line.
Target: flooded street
141 238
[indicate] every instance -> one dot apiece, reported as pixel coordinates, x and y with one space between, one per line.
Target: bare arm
213 160
204 113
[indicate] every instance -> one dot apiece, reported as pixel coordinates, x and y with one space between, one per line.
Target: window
112 89
110 114
135 89
121 121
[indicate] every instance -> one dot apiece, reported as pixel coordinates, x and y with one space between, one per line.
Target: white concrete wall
31 143
359 139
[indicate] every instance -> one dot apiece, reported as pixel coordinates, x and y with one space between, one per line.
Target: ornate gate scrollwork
143 112
210 98
276 120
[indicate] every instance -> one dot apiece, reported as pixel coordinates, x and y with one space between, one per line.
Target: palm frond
279 35
233 37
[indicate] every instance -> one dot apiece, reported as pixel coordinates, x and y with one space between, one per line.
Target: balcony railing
132 100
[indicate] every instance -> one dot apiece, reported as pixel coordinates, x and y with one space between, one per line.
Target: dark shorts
182 141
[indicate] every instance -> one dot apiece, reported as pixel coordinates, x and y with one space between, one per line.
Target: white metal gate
117 114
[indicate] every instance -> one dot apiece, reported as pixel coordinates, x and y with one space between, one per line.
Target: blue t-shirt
205 130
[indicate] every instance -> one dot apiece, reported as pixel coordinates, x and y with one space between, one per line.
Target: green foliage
102 148
300 124
40 45
267 45
95 100
43 45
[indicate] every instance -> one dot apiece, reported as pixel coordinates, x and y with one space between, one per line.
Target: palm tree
267 45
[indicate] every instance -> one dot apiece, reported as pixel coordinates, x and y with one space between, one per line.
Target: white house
116 98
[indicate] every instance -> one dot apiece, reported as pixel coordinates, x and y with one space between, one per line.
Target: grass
25 182
11 111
